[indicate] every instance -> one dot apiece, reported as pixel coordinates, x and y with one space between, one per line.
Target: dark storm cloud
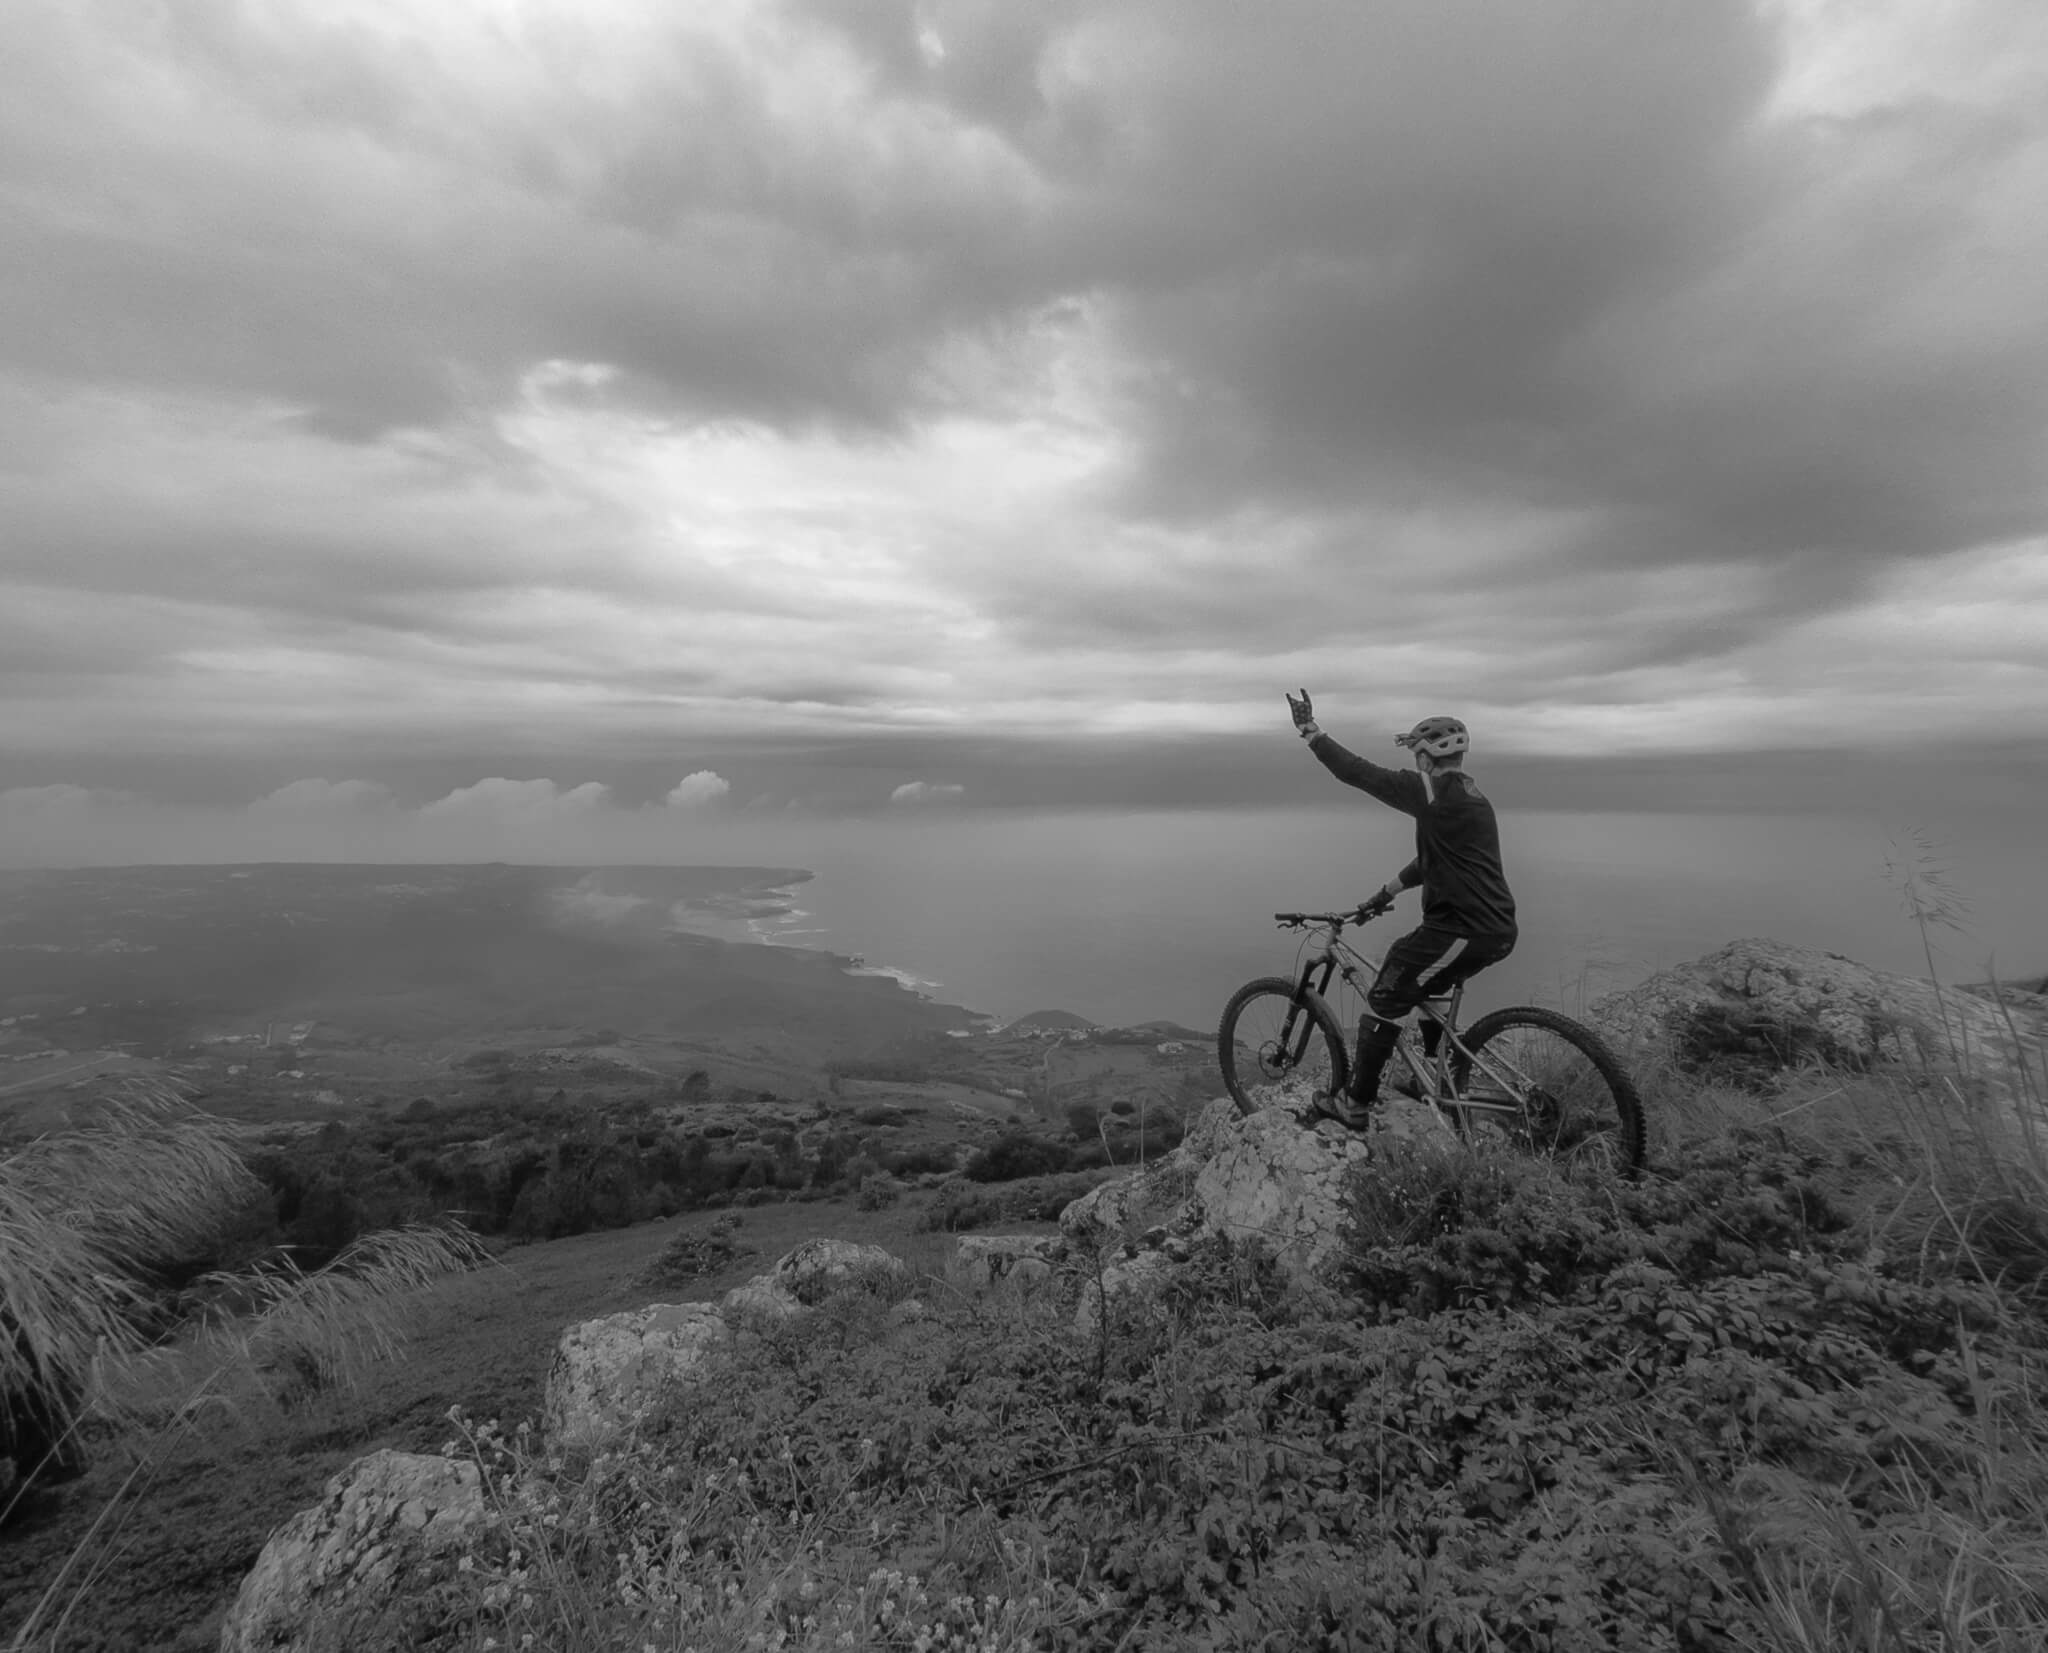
378 228
1564 257
1585 359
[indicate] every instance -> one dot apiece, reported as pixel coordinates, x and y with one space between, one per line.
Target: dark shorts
1429 962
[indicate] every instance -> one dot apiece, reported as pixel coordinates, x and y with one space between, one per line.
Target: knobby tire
1619 1112
1259 1009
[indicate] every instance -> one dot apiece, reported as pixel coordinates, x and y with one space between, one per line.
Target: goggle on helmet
1440 737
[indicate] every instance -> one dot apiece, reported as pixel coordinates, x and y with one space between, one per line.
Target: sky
499 416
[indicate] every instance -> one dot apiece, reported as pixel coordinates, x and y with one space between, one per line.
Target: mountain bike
1527 1077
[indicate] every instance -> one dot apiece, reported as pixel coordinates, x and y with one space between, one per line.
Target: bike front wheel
1547 1085
1277 1043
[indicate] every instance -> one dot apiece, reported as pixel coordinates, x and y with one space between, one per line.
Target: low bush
1018 1154
919 1162
1231 1465
958 1207
696 1250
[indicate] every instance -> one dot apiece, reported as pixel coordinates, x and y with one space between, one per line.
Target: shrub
1231 1465
695 1251
917 1162
1018 1154
958 1207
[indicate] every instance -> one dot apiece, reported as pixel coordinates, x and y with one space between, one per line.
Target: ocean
1162 914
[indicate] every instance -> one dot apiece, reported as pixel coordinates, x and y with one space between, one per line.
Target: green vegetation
173 1508
1782 1394
544 1169
957 1207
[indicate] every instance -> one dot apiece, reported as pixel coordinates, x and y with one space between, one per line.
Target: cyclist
1468 914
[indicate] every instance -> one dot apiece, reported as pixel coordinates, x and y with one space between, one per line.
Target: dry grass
1944 1178
1936 1560
142 1180
1945 1168
309 1333
86 1215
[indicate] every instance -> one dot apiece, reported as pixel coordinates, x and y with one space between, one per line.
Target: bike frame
1432 1075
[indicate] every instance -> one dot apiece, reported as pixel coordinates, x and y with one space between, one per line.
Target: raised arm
1400 789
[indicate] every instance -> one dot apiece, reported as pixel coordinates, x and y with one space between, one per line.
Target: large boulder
1757 1008
1280 1181
1277 1177
360 1570
806 1276
607 1373
759 1303
818 1268
1130 1205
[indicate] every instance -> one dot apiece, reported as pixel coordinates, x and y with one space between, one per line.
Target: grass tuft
143 1180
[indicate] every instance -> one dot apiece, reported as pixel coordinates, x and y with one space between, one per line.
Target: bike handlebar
1362 914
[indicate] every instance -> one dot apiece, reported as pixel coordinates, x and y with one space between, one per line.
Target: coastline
765 912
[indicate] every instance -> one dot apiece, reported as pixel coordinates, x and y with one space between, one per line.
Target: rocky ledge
1758 1010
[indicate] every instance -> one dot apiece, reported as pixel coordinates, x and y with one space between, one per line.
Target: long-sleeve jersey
1457 841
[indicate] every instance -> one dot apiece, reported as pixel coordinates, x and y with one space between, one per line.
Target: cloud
926 792
537 802
434 382
53 802
319 797
695 790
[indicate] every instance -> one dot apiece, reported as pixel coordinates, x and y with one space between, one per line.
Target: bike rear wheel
1276 1043
1578 1107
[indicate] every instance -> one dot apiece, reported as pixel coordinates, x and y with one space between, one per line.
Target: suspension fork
1300 1027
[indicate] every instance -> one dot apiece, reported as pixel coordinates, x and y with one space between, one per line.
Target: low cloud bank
356 820
926 792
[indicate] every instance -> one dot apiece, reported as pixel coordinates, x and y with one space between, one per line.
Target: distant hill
1053 1018
1163 1030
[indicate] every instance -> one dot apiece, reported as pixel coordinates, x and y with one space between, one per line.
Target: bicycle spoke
1277 1049
1541 1093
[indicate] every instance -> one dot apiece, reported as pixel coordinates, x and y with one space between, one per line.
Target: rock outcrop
806 1276
1274 1181
606 1373
817 1268
358 1569
1277 1177
1758 1008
